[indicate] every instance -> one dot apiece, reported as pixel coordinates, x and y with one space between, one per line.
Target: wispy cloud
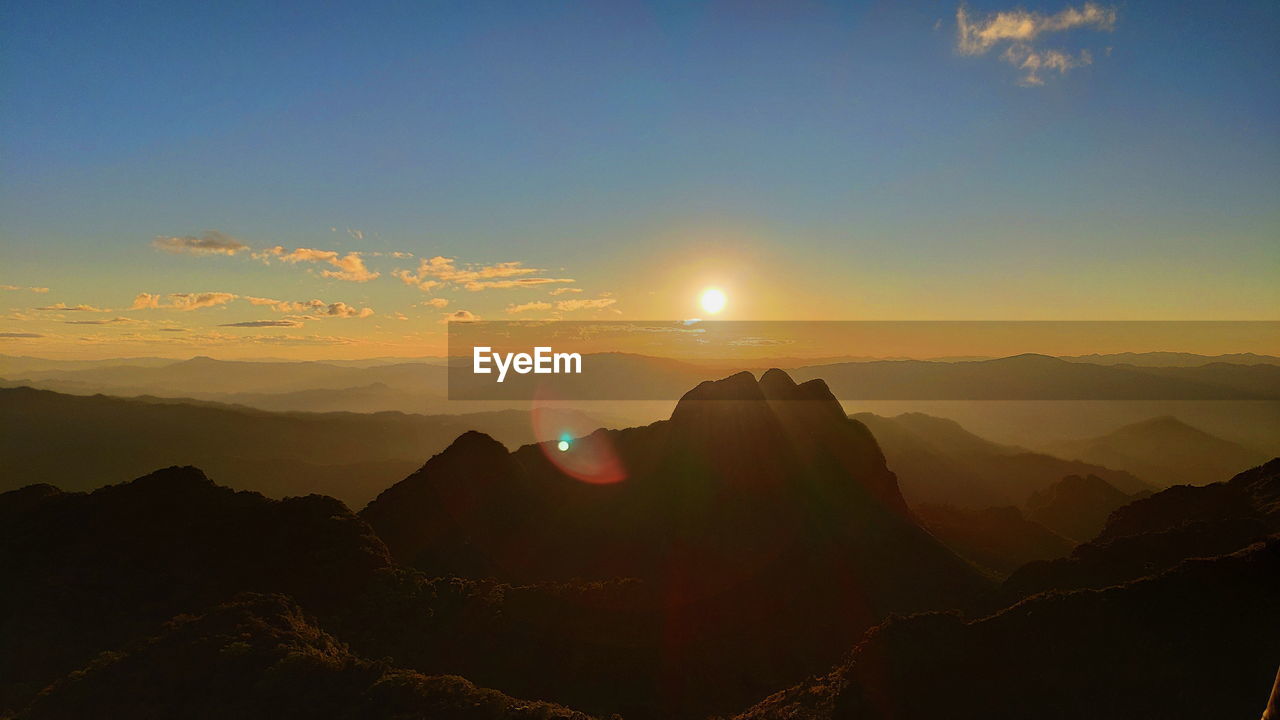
209 242
349 267
441 271
565 291
20 335
526 307
24 287
585 304
63 307
1020 31
460 316
263 323
318 308
110 321
435 303
181 301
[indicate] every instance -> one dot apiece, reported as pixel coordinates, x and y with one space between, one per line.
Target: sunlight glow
713 300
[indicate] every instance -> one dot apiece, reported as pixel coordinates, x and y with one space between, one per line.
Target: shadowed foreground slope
1197 641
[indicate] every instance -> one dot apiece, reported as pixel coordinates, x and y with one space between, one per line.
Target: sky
340 180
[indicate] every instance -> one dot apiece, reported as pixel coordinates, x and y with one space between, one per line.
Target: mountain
86 572
261 656
1076 506
939 462
729 510
79 442
1154 533
1149 648
1164 451
1000 539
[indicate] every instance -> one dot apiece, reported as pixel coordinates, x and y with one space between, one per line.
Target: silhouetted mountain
939 462
260 656
78 443
750 491
1165 451
1154 533
1076 506
996 538
86 572
1150 648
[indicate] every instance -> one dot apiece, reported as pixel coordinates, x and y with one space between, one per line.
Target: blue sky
819 160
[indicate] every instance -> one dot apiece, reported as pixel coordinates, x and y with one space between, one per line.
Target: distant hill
1077 506
939 462
1172 359
1164 451
1040 377
81 442
997 538
1155 533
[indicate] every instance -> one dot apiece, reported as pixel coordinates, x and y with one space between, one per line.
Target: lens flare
563 446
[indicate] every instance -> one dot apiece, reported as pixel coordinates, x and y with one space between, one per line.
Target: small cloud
585 304
263 323
63 307
174 330
442 271
23 287
1021 29
400 316
19 335
516 309
435 303
460 316
349 267
181 301
210 242
318 308
565 291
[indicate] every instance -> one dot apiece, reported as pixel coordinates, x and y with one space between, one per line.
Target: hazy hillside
80 442
1077 506
939 462
1000 539
1164 451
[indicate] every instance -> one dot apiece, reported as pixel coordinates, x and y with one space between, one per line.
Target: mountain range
723 560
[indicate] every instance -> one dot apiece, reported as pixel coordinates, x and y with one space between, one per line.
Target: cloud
441 271
181 301
263 323
514 309
22 287
73 308
317 308
349 267
209 242
460 316
19 335
585 304
1021 29
172 330
435 303
111 321
565 290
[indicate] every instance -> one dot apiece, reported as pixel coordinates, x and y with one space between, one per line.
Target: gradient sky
814 160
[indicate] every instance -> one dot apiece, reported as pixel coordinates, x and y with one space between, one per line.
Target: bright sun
712 300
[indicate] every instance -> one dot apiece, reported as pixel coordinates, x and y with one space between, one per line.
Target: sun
713 300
